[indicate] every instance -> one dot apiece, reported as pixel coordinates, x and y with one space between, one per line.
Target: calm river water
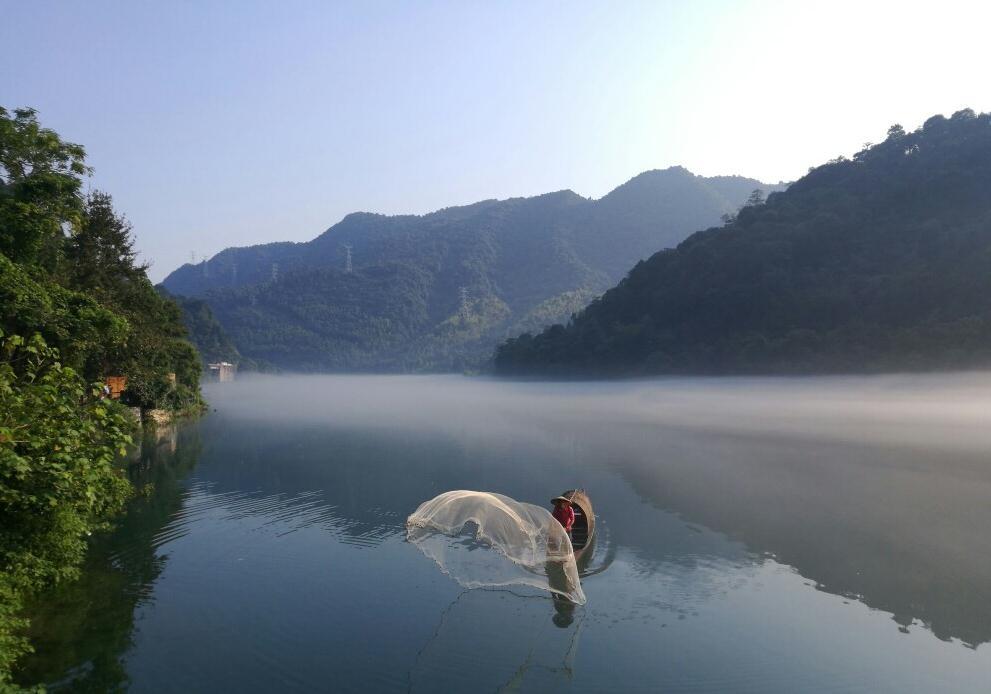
756 535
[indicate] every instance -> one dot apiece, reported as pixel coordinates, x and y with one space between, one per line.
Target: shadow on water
564 610
897 528
82 630
473 628
601 548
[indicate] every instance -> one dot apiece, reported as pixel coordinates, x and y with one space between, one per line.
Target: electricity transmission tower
275 271
233 273
465 311
347 257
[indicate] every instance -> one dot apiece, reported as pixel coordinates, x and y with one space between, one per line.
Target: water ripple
278 513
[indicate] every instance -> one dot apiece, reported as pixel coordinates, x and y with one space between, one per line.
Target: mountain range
876 263
439 291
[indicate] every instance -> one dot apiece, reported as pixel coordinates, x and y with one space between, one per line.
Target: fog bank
951 411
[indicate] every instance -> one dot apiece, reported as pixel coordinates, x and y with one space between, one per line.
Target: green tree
100 254
68 270
880 262
39 188
58 480
756 198
70 280
85 332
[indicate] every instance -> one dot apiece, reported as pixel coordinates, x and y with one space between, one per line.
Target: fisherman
563 512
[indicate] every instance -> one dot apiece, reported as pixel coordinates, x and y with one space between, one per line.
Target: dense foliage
58 481
879 262
91 620
75 307
523 264
68 272
204 331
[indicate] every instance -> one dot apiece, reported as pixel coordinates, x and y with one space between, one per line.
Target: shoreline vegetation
82 628
76 308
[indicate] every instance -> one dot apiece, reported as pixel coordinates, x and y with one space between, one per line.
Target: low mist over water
934 411
754 535
875 486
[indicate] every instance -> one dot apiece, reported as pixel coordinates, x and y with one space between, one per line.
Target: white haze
946 411
871 487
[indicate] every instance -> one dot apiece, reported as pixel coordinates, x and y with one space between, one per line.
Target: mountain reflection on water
271 554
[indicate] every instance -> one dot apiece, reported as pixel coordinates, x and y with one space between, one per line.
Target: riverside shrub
59 481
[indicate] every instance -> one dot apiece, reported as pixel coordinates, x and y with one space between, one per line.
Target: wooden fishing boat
583 530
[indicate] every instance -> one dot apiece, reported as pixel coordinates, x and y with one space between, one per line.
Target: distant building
115 385
222 371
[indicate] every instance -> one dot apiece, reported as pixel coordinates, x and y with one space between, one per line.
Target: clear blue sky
217 124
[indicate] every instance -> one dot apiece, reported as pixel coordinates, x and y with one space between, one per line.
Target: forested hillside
75 307
439 291
203 330
879 262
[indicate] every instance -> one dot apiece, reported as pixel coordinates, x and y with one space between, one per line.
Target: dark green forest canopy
68 271
879 262
204 331
439 291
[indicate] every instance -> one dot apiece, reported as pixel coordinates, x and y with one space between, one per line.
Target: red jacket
565 516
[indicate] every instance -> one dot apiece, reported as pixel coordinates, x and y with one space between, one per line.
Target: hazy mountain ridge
882 262
523 262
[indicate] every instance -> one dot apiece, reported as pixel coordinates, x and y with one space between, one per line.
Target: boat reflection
505 641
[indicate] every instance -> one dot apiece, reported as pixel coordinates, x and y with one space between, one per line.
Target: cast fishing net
482 539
